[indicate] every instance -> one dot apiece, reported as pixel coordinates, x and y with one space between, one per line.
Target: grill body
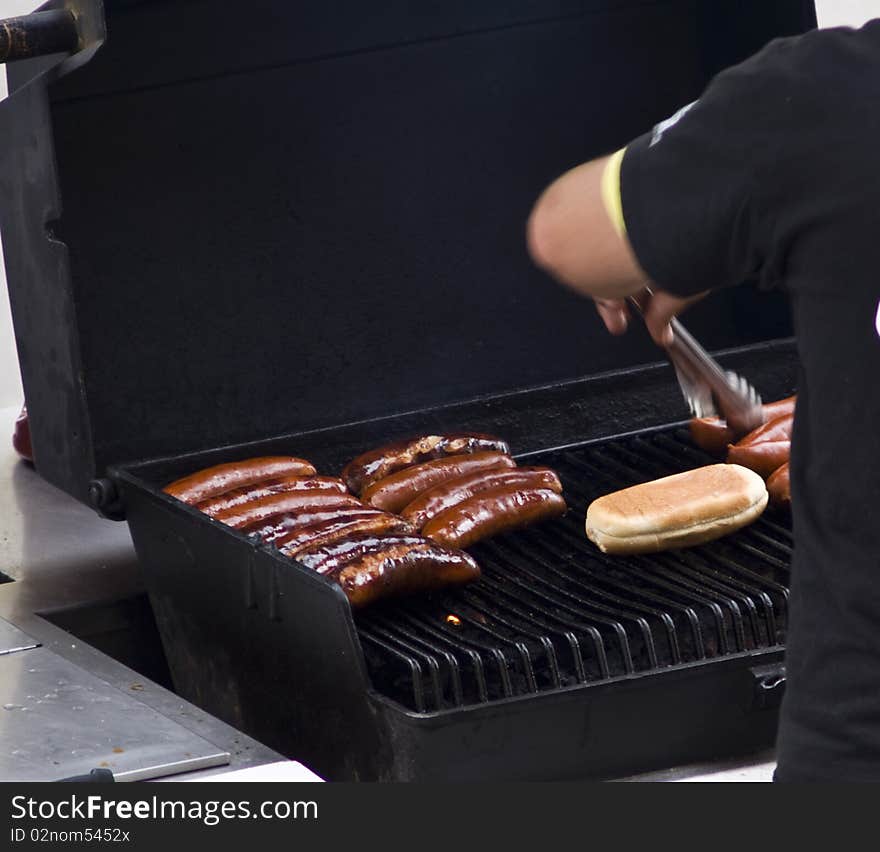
559 662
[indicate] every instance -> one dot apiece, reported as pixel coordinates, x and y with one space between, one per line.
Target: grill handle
769 685
38 34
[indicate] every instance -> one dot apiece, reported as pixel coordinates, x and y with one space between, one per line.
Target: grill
597 666
551 611
313 245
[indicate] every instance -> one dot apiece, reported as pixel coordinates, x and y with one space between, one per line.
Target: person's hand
659 311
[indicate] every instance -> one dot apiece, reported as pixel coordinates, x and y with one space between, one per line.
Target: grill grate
551 611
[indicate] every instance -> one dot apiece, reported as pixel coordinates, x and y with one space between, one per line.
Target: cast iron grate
551 611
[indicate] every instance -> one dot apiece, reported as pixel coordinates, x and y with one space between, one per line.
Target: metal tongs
708 390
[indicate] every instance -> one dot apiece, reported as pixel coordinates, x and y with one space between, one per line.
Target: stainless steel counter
62 556
65 707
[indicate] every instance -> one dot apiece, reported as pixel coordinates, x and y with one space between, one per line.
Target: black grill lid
262 241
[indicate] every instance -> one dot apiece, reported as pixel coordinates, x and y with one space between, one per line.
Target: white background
830 13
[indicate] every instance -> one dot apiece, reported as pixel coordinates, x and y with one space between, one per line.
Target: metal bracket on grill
71 30
769 682
106 499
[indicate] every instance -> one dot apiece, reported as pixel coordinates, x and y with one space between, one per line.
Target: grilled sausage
762 458
21 436
376 464
713 434
778 429
259 512
398 490
764 449
492 512
435 500
779 487
273 530
240 496
370 568
332 529
212 481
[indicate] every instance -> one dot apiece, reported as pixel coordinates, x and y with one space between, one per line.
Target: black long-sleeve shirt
774 175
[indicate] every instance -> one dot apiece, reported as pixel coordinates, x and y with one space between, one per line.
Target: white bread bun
677 511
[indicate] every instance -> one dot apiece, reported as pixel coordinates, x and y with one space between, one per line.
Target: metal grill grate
551 611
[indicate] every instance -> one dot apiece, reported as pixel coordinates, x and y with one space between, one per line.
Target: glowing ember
453 619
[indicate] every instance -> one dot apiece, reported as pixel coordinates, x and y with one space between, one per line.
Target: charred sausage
713 434
332 529
492 512
369 568
259 512
240 496
779 487
762 458
212 481
381 462
435 500
271 531
398 490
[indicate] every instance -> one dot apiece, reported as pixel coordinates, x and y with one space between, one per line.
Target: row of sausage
397 519
765 450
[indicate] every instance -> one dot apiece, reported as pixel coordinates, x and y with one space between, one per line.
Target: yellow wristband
611 192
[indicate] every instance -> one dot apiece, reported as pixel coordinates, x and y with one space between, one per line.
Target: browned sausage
370 568
435 500
212 481
762 458
240 496
381 462
271 531
398 490
779 487
778 429
713 434
764 449
332 529
258 512
492 512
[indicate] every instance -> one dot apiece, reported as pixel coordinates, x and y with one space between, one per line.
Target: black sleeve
692 189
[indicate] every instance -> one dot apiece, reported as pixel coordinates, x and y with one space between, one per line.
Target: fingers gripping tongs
708 390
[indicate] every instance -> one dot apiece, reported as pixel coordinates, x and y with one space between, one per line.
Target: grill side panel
606 731
259 642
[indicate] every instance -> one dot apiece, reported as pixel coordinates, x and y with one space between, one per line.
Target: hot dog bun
677 511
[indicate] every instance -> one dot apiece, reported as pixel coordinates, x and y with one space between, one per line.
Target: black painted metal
324 223
37 34
558 662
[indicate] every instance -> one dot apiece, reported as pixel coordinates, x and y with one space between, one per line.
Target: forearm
571 236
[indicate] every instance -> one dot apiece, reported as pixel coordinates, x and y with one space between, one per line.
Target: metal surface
49 40
38 34
58 720
12 639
